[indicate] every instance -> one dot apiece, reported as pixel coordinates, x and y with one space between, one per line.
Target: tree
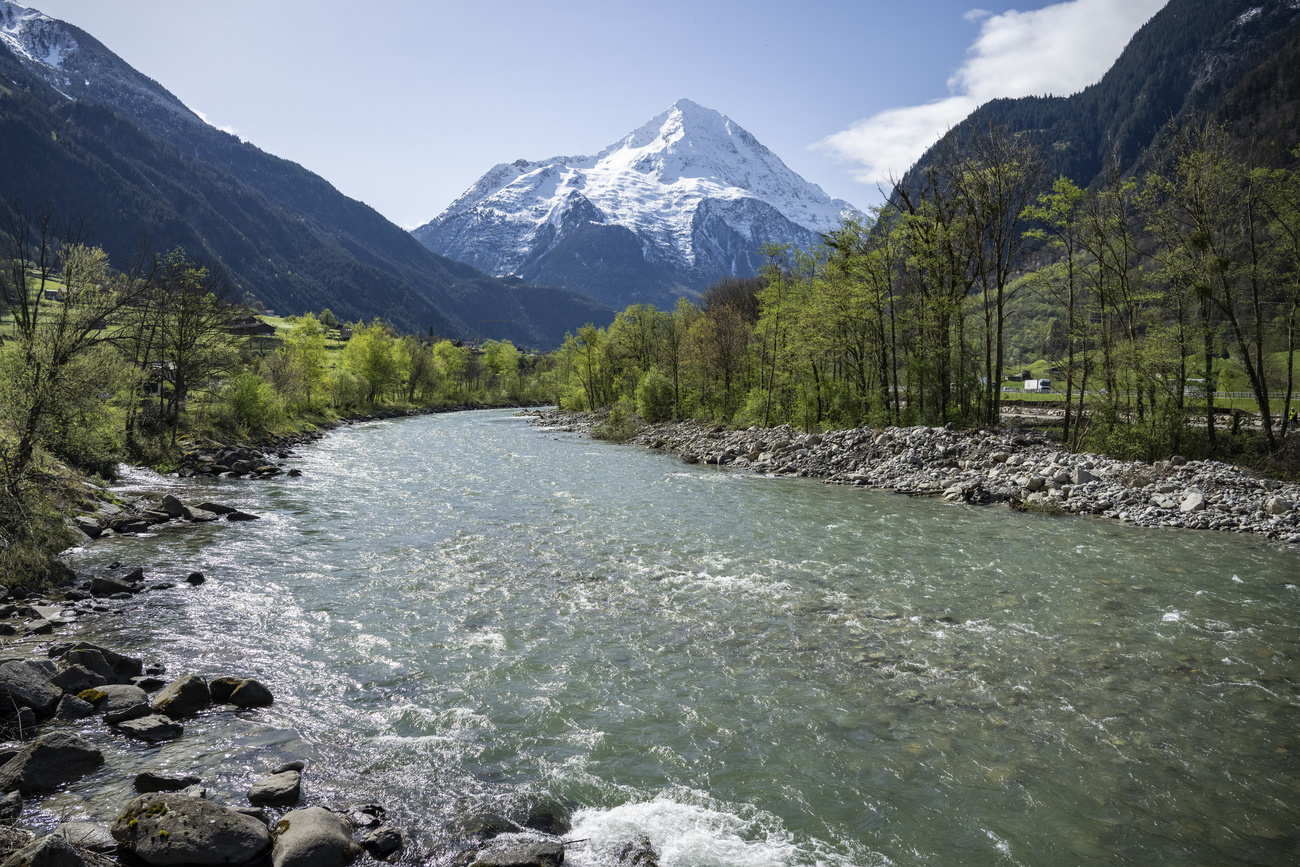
306 344
370 356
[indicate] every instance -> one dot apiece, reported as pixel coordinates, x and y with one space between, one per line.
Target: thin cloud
1059 49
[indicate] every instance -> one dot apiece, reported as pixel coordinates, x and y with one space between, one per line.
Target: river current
462 615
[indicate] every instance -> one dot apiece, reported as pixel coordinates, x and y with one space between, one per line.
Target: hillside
80 128
1235 60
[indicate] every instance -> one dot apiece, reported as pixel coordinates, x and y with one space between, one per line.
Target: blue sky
403 104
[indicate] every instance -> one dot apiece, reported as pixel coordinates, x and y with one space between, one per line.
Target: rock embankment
1024 470
175 820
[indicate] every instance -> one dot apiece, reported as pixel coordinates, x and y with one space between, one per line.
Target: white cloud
1059 49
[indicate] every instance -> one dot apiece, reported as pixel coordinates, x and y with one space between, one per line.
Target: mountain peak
34 36
690 193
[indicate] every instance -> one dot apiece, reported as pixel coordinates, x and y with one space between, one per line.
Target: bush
654 397
620 425
251 405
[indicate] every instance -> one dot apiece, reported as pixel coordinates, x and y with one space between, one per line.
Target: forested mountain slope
81 128
1235 60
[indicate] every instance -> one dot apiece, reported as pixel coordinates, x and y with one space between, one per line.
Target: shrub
654 397
251 404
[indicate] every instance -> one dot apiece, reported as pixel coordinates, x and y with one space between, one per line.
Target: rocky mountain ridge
686 199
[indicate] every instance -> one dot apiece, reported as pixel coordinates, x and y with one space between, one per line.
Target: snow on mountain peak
687 167
34 35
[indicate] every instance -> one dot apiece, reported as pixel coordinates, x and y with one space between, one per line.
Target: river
462 615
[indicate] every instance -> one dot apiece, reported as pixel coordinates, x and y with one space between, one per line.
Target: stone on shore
71 708
148 781
277 790
107 585
313 837
382 842
112 666
154 728
183 697
515 851
23 684
171 829
49 851
48 762
114 697
11 807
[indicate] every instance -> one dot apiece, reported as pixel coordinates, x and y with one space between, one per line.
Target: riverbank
1024 470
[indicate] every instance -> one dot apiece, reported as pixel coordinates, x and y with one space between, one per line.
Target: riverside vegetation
1150 297
158 365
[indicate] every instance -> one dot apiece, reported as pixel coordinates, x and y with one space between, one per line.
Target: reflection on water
459 614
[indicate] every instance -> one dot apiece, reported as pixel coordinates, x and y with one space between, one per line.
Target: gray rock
251 693
24 685
1193 501
112 666
136 711
171 829
171 506
48 762
382 842
154 728
72 708
313 837
75 678
515 851
148 781
183 697
88 525
194 579
117 697
39 626
276 790
241 516
200 516
107 585
1082 476
19 724
51 851
637 853
1277 506
88 835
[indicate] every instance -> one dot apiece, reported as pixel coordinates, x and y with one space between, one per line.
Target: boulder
113 666
251 693
183 697
72 708
222 688
515 851
90 526
19 724
77 678
1277 506
277 790
313 837
217 508
107 585
50 851
171 506
1193 501
148 781
195 579
241 516
88 835
24 685
165 829
153 728
48 762
200 516
382 842
114 697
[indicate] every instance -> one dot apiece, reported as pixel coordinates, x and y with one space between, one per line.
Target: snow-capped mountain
79 67
685 200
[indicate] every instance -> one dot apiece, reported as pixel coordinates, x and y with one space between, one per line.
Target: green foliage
620 425
250 404
654 396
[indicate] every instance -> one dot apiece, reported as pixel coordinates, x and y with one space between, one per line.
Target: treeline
99 365
903 319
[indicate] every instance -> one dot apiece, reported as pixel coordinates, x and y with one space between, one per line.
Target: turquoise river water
461 615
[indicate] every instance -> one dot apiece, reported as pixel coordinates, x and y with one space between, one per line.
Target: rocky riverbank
64 702
1021 469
